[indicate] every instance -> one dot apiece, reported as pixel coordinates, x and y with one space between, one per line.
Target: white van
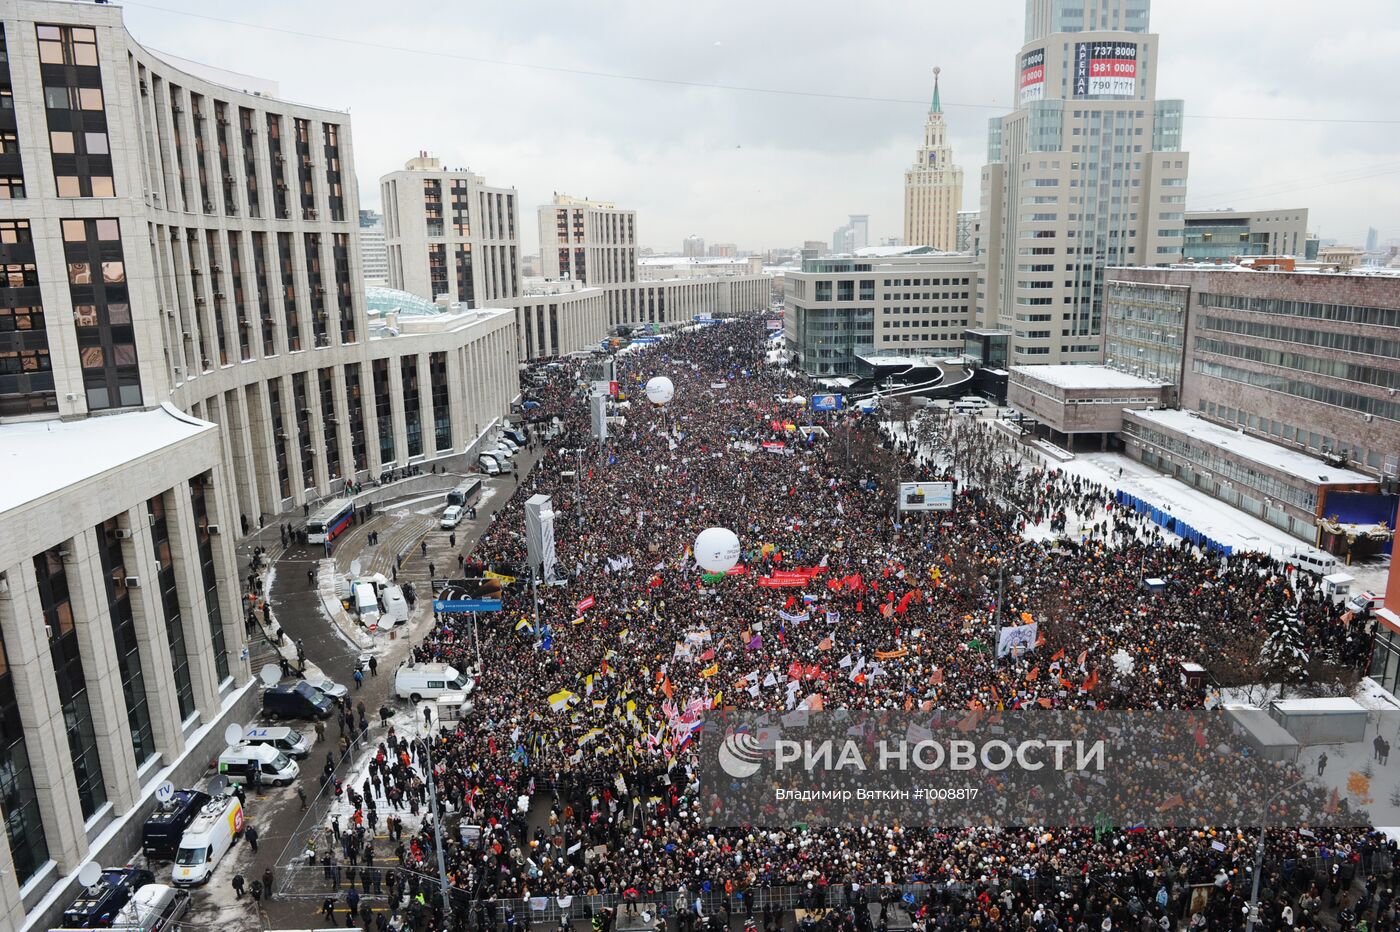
452 708
451 517
366 605
239 762
976 401
395 607
429 681
153 908
1314 561
287 740
488 464
209 836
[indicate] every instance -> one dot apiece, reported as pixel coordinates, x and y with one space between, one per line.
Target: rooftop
39 458
1254 449
1085 377
386 300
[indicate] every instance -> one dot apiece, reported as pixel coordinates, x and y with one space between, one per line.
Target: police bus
330 520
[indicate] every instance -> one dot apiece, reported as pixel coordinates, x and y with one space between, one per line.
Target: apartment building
184 346
593 242
907 301
1085 173
448 232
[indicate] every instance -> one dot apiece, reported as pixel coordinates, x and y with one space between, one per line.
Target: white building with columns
185 345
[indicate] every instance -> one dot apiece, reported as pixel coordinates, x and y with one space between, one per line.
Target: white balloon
717 549
660 390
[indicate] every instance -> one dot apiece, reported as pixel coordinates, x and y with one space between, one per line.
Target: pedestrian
384 715
452 539
256 890
251 833
267 882
373 667
328 909
320 731
359 677
238 886
301 795
1322 763
423 546
432 570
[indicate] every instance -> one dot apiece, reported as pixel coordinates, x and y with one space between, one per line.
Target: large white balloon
660 390
717 549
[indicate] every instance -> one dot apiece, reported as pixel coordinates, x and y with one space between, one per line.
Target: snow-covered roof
1085 377
1255 449
1331 704
39 458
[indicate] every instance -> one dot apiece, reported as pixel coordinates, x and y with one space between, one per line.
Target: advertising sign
468 595
827 402
1105 69
926 496
772 324
1033 75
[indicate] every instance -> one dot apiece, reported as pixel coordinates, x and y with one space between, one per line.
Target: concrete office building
588 241
966 238
1309 360
374 255
1080 402
183 261
854 234
694 245
910 301
680 300
1223 235
448 232
933 186
553 318
1086 172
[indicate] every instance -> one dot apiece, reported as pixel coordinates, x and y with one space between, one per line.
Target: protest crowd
838 602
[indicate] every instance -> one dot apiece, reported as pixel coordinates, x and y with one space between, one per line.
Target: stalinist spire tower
933 186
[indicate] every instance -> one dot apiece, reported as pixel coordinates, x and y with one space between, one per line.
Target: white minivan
451 517
395 607
287 740
488 464
1314 561
206 840
429 681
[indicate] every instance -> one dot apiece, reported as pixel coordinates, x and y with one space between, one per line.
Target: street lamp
438 827
1259 854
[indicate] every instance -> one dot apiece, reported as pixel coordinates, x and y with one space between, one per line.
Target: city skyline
770 151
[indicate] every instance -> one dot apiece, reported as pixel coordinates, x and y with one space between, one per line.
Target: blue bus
330 520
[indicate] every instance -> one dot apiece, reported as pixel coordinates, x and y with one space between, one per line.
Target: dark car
160 835
99 904
296 700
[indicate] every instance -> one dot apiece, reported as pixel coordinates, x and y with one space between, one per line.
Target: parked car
331 689
451 517
295 700
155 907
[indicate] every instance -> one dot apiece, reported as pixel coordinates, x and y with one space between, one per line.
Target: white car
451 517
331 688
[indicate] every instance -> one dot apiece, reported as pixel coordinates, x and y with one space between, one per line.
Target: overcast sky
767 170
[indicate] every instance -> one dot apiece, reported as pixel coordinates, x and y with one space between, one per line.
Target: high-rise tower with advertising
1086 172
933 185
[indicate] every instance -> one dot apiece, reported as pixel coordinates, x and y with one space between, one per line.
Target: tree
1283 654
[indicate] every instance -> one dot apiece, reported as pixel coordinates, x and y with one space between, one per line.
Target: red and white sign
584 606
1033 75
1105 69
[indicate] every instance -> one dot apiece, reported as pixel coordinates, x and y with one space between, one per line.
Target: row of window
1288 433
1223 466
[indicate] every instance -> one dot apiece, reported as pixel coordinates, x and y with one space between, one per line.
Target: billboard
1105 69
1033 75
773 324
827 402
926 496
467 595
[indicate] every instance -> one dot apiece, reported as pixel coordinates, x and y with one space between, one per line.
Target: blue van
160 835
295 700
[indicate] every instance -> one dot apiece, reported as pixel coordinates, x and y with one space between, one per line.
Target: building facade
933 186
694 245
588 241
1075 400
1309 360
447 232
374 255
681 300
966 237
1085 173
852 235
554 318
185 346
1223 235
917 302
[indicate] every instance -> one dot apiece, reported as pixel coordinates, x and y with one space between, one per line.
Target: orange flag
1032 676
908 703
1045 703
1092 681
824 644
1059 654
709 671
666 687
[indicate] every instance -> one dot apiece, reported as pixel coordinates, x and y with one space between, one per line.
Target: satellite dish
90 874
233 734
270 674
355 568
217 784
165 792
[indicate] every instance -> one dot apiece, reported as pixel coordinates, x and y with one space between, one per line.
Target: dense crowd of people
838 602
